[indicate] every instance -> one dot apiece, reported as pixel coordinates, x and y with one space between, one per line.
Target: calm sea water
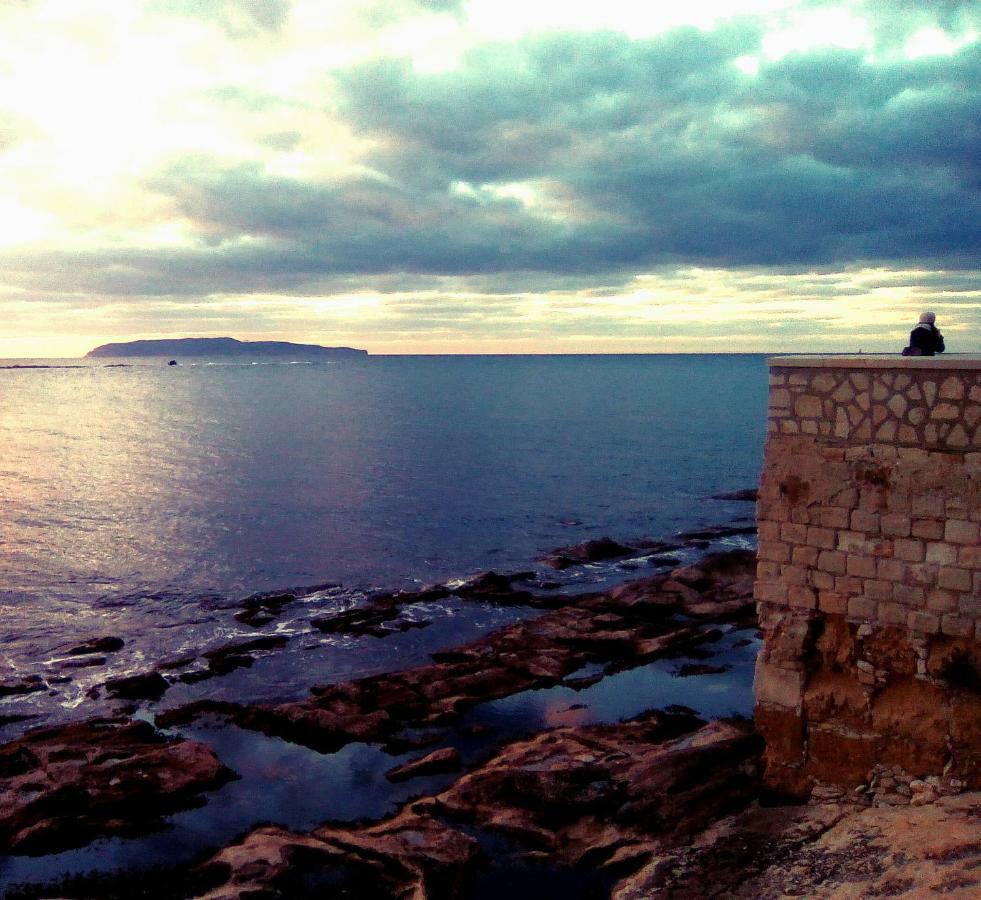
132 499
146 501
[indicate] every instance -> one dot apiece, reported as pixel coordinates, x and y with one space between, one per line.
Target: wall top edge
967 361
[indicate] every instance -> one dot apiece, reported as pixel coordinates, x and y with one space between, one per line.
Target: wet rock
144 686
690 669
177 663
97 645
260 609
237 648
652 546
749 495
664 561
491 587
623 628
718 587
226 663
381 615
30 685
197 675
716 531
429 594
446 759
63 787
360 620
397 626
587 551
184 715
406 856
583 681
235 655
87 663
15 719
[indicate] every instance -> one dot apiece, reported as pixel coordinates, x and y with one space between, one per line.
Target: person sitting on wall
925 339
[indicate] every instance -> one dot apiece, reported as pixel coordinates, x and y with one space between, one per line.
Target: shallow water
299 788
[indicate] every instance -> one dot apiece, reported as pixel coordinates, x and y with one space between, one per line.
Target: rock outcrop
610 795
586 552
407 857
589 797
63 787
628 626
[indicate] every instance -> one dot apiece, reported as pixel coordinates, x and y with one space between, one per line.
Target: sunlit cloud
450 176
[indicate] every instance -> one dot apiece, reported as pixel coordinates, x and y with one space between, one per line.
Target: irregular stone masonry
908 408
869 570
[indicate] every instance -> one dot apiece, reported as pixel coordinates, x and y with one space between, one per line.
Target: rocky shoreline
665 803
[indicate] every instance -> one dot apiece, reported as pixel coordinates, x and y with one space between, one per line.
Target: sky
490 176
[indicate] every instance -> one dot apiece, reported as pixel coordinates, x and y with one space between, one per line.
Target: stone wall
869 573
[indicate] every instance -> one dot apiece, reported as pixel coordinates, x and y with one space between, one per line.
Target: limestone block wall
869 572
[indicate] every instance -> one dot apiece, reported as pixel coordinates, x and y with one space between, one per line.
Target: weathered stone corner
869 572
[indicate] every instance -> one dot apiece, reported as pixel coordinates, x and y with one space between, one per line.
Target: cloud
459 184
238 18
594 153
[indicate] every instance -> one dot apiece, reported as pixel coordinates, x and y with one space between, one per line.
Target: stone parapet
917 404
869 572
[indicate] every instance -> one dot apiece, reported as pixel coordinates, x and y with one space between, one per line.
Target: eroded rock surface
142 686
108 644
63 787
446 759
609 794
118 777
836 850
408 856
589 796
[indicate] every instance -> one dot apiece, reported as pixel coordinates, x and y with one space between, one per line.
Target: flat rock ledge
633 624
610 795
406 857
662 806
63 787
575 796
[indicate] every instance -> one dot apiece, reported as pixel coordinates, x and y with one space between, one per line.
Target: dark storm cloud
669 151
822 158
650 153
533 108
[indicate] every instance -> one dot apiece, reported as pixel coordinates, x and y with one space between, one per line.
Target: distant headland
223 346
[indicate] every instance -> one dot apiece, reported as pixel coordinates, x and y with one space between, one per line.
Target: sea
147 501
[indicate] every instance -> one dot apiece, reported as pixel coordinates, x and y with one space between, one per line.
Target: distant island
223 346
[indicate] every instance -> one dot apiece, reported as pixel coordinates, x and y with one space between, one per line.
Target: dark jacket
927 339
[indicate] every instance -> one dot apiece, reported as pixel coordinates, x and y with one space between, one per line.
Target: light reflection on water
238 478
133 499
